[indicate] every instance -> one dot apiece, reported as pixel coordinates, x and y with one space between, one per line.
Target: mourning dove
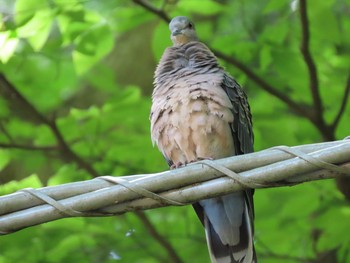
200 112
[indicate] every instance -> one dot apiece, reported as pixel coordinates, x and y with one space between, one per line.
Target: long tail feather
228 223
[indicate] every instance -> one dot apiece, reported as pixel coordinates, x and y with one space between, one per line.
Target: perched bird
200 112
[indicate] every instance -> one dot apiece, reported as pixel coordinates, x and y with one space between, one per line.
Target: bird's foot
177 165
180 164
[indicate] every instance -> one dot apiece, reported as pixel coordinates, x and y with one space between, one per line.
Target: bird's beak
176 32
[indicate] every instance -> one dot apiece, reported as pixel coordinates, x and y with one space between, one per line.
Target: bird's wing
242 127
242 131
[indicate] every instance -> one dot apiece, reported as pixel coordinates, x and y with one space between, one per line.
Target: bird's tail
228 223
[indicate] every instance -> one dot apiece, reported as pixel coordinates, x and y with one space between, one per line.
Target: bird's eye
190 25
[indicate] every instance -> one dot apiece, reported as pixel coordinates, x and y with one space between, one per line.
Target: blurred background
76 82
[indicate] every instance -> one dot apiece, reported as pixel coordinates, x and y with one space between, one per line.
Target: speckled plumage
199 111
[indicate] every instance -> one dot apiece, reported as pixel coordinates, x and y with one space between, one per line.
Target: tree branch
305 50
262 83
343 104
152 9
9 91
173 256
5 132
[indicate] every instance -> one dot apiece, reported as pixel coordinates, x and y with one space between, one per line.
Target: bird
200 112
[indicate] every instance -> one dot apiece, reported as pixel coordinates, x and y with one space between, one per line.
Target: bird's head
182 30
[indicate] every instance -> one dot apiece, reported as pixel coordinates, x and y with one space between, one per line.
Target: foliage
83 72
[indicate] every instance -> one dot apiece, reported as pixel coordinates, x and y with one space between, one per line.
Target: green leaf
4 158
8 45
46 81
31 181
66 174
103 78
25 10
332 234
37 29
265 57
92 46
19 129
324 22
206 7
72 23
128 19
275 33
44 136
4 109
68 245
104 117
80 114
160 40
274 5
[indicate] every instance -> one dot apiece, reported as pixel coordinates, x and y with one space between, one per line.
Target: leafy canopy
84 69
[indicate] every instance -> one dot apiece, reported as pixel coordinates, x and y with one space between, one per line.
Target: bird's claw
177 165
180 164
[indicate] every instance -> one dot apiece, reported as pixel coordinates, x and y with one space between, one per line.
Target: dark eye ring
190 25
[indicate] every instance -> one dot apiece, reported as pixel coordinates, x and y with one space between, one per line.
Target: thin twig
309 61
343 104
5 132
173 256
9 91
152 9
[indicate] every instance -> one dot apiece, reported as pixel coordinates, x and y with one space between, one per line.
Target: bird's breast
191 117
